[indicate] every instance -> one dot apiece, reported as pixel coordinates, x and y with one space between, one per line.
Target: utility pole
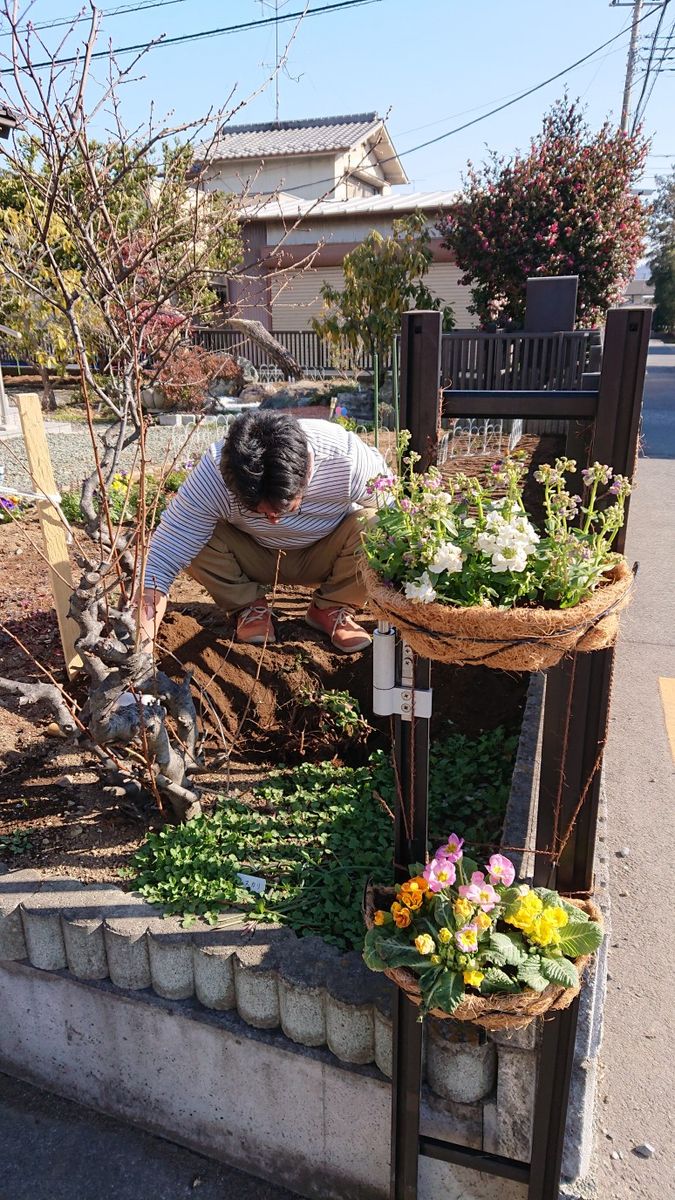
630 64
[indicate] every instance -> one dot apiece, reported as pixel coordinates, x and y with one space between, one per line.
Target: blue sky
430 64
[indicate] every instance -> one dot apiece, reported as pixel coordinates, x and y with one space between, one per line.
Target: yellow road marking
667 687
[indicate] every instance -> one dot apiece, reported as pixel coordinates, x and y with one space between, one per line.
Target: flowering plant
455 541
11 508
464 931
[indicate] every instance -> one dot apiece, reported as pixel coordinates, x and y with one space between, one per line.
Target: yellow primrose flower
557 915
425 943
444 936
483 921
435 959
543 932
379 918
474 978
462 909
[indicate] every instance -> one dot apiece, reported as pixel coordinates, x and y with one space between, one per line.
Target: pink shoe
255 626
339 625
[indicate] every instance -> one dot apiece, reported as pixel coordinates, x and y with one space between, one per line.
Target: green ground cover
317 833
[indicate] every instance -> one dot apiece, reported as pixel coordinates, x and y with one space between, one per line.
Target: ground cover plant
316 834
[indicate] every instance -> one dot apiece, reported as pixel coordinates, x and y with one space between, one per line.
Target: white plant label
253 883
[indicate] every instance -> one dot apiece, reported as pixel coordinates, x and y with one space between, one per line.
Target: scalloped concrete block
41 916
302 990
213 966
82 925
459 1066
256 978
516 1093
383 1013
15 887
127 952
350 1021
170 953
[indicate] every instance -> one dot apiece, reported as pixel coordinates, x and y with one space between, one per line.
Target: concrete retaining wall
204 1079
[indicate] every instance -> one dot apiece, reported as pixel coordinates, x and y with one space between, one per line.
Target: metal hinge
389 699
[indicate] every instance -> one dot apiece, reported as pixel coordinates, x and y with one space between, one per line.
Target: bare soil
251 709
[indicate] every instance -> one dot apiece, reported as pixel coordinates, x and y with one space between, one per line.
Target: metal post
575 729
420 382
412 765
420 413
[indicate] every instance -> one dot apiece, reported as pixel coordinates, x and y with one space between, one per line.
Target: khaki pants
237 571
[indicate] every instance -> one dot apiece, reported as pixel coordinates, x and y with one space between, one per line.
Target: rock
64 781
255 393
644 1150
247 369
624 852
223 387
614 1154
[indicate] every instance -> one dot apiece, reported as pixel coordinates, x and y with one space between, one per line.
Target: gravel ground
72 456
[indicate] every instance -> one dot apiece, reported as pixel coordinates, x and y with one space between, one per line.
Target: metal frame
604 426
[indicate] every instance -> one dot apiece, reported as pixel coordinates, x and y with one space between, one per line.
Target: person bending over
277 499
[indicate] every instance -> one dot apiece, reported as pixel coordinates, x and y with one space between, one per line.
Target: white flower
448 558
421 589
509 559
469 522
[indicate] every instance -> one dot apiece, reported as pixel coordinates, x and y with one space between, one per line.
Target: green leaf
371 954
530 974
447 993
581 937
576 915
498 981
560 971
507 948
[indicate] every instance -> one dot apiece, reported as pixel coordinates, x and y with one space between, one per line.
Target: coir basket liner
505 1010
510 639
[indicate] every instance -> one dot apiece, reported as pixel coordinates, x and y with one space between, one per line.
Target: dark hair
265 457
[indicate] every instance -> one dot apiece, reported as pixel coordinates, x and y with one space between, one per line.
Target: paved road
658 419
634 1096
52 1149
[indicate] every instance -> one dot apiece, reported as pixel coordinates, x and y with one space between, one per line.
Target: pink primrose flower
440 873
466 939
501 870
452 848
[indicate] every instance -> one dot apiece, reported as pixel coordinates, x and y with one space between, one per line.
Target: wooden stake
53 531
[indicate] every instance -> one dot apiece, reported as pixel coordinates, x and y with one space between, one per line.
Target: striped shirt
341 465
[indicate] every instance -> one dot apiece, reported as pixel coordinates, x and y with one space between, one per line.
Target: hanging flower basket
500 1010
467 577
509 639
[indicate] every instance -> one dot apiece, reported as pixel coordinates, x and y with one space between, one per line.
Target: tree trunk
263 338
48 400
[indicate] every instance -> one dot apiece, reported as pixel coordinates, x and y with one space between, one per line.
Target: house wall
296 299
306 175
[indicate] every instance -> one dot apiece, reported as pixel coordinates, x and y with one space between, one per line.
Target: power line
523 95
122 10
202 34
639 107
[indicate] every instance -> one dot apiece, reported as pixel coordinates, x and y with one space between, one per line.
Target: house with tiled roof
312 190
336 157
